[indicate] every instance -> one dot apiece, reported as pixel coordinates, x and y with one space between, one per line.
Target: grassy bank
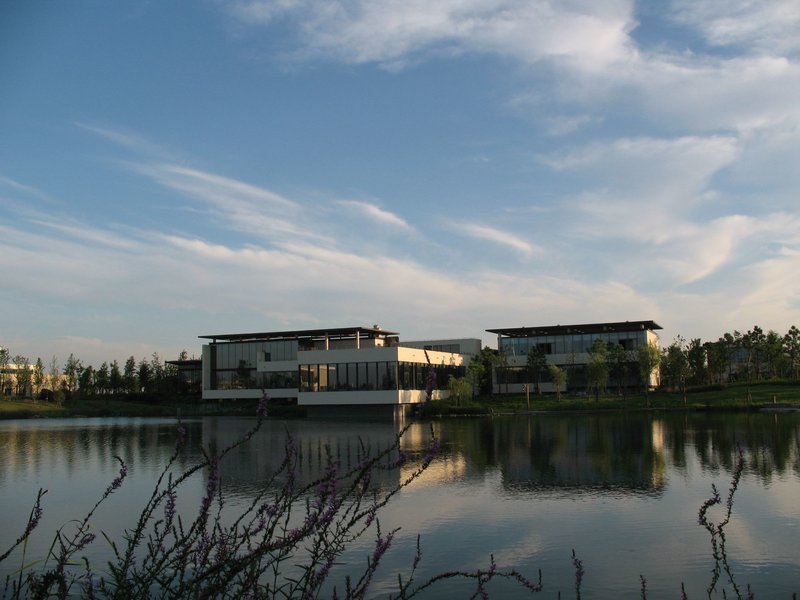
136 406
731 397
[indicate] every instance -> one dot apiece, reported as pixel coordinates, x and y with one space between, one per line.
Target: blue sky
169 170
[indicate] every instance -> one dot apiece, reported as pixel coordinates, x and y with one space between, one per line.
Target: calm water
622 490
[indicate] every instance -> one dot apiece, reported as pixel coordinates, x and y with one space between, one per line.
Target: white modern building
353 366
567 346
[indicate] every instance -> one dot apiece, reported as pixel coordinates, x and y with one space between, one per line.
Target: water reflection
633 482
623 452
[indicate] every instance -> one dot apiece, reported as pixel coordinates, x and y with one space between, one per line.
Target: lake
622 490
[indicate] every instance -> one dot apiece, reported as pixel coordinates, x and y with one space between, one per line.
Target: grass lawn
126 406
734 397
731 397
20 409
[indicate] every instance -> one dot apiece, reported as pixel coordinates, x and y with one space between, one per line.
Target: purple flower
85 541
33 520
534 587
371 516
381 546
123 472
578 564
211 487
169 507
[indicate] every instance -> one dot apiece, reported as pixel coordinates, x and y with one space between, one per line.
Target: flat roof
587 328
335 333
186 362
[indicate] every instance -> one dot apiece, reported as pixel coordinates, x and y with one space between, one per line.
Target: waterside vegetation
765 395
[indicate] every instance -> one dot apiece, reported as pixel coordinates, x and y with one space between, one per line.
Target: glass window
305 378
363 383
333 380
382 376
352 378
323 378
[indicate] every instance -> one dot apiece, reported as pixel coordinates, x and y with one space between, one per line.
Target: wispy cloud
128 139
242 206
375 213
496 236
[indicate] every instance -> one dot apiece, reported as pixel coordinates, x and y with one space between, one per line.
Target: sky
170 170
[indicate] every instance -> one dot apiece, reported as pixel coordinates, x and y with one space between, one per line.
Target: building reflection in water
621 453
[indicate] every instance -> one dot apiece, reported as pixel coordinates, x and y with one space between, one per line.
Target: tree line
55 382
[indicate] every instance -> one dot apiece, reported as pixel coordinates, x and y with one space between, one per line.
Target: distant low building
322 368
16 380
567 346
188 376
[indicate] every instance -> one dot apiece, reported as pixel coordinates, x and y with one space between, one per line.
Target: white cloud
392 32
375 213
496 236
768 26
739 94
647 164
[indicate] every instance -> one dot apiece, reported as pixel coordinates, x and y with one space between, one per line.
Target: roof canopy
307 334
587 328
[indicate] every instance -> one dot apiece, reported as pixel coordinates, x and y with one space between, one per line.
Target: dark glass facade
367 376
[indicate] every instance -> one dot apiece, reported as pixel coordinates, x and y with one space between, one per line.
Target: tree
675 365
87 381
459 388
597 368
157 372
716 359
502 369
38 377
559 378
488 358
4 358
71 370
648 357
129 375
102 382
696 355
536 364
144 372
792 343
23 375
54 375
115 381
774 355
475 373
619 360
